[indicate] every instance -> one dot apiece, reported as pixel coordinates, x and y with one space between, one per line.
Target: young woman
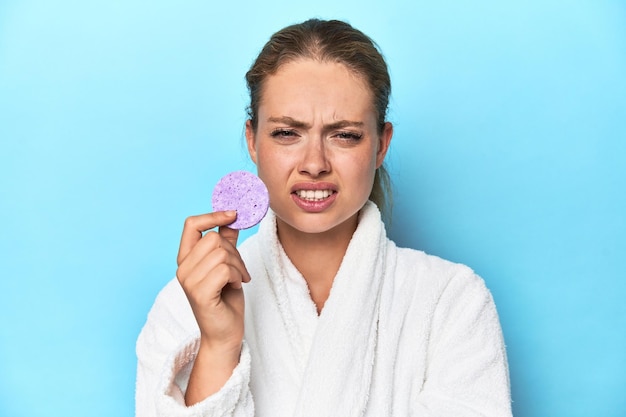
337 320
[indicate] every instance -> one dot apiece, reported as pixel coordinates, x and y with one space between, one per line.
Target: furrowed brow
289 121
343 124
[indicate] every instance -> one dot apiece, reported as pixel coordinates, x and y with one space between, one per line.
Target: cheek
358 171
271 164
369 164
365 163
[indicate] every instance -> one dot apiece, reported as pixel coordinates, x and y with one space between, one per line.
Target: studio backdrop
118 117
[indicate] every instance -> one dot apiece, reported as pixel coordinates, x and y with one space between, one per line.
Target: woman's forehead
306 86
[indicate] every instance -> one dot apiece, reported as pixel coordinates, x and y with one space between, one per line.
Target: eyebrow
290 121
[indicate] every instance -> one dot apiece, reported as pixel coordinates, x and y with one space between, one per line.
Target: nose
314 160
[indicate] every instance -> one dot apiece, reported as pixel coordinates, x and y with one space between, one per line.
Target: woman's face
316 145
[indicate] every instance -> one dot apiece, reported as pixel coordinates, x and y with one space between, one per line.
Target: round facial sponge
245 192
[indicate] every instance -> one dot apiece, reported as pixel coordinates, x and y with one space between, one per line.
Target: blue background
117 118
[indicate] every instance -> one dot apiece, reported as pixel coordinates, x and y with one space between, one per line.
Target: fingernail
231 213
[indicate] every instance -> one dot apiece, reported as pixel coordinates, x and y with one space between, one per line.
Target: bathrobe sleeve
467 372
166 349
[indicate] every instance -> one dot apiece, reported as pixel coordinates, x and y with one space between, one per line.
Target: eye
349 136
283 134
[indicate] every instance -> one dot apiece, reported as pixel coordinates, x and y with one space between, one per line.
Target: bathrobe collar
342 350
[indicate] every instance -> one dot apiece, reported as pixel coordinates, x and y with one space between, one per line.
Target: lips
314 196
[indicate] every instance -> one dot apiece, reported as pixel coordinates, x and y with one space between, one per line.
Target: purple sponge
244 192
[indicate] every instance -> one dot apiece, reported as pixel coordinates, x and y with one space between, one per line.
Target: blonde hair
329 41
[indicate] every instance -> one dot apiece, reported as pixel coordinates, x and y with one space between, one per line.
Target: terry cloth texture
401 334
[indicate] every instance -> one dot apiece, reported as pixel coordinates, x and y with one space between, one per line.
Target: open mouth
314 195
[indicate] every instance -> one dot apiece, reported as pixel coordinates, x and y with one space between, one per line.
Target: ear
250 140
383 144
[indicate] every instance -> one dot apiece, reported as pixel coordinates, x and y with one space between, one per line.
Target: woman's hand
211 272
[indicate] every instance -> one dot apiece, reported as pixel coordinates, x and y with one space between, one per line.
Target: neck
317 256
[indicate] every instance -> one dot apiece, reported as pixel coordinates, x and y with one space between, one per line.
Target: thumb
229 234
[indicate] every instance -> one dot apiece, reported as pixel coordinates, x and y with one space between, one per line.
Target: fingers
208 254
196 225
212 256
207 286
229 234
211 273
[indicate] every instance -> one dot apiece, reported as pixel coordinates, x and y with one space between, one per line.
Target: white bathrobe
401 334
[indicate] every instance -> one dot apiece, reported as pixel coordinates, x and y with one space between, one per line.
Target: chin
319 222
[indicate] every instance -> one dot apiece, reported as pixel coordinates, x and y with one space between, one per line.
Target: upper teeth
314 194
